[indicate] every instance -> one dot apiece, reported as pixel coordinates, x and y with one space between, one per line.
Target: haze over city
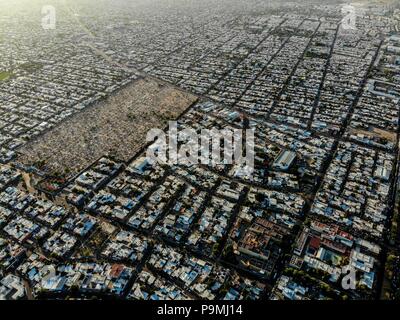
199 150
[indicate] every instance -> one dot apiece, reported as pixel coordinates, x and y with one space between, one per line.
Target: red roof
315 242
116 270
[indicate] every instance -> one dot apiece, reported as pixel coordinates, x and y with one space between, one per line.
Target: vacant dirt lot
379 133
116 127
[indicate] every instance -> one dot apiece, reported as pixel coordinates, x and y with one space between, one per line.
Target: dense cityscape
84 213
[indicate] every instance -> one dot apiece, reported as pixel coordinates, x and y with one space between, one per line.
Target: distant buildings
323 103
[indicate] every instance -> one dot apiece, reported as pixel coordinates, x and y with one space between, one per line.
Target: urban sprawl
320 206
